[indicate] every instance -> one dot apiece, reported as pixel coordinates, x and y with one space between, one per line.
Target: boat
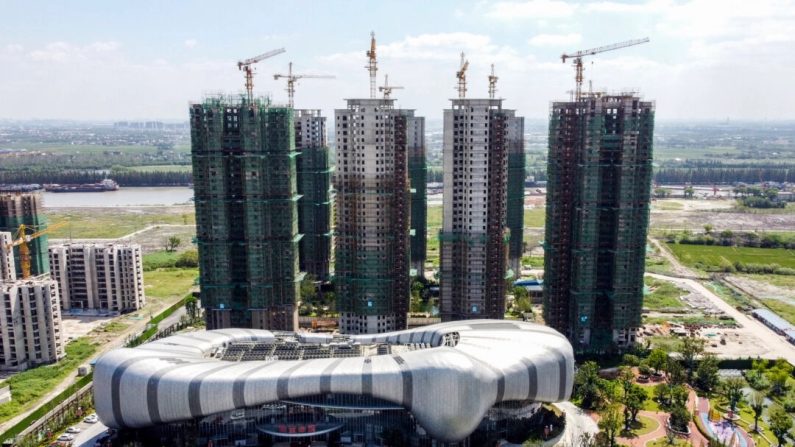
104 185
20 187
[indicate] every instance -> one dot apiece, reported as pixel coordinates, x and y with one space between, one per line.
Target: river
144 196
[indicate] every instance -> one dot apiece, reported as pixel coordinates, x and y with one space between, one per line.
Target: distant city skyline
91 60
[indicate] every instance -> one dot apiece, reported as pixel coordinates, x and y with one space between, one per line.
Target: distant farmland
704 256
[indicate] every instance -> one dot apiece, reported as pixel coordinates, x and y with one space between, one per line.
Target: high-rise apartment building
8 271
515 192
372 215
599 179
244 177
100 277
418 179
314 186
474 235
30 323
26 208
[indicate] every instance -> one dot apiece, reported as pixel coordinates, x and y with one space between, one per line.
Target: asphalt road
89 434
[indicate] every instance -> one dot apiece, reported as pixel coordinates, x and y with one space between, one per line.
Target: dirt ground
74 327
761 289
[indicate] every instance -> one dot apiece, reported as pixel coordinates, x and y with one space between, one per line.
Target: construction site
26 211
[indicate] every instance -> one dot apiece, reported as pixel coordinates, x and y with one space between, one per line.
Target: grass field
703 256
789 209
162 168
169 283
111 223
668 205
663 295
535 217
76 148
784 281
30 385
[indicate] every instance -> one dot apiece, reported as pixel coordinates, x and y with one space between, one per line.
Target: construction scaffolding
245 190
26 208
314 186
418 179
515 192
598 192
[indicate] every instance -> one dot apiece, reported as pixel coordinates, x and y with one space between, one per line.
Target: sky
146 59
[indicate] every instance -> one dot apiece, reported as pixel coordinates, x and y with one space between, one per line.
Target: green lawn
705 256
535 218
644 425
667 344
663 295
160 259
30 385
111 223
169 283
668 205
64 148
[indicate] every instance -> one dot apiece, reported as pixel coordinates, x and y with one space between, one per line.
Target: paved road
577 424
776 344
88 437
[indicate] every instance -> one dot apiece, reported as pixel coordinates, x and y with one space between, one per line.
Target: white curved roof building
446 375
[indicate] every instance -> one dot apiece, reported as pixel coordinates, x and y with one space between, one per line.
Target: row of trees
122 177
727 175
731 238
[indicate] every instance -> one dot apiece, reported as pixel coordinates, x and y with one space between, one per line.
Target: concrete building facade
473 240
244 177
8 271
30 323
372 215
314 185
26 208
101 277
597 213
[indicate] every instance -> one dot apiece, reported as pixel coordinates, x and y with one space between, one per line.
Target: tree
658 359
707 378
689 192
708 228
589 387
676 374
625 377
692 347
172 243
680 418
757 403
308 289
633 400
610 423
733 392
780 424
187 259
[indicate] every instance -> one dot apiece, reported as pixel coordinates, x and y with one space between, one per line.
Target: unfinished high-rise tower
26 208
599 179
418 179
244 176
372 217
314 186
473 240
515 192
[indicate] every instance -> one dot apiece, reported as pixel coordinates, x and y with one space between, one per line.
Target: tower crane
582 53
21 240
246 66
461 74
292 81
372 64
387 89
492 83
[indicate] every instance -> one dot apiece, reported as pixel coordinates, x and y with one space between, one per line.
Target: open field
30 385
162 168
111 223
64 148
663 295
704 256
168 283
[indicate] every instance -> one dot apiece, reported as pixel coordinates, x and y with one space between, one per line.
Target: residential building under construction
314 186
474 236
244 176
418 180
8 270
26 208
30 323
597 212
101 278
372 213
515 192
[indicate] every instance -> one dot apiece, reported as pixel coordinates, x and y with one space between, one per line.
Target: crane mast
461 74
292 81
246 66
577 57
492 83
372 64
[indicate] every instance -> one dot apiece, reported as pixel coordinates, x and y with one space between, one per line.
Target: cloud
555 39
535 9
64 51
191 43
